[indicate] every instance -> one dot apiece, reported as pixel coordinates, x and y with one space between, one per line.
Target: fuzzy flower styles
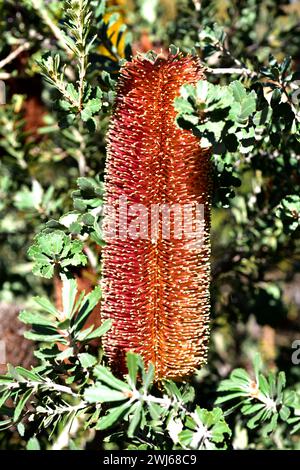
155 276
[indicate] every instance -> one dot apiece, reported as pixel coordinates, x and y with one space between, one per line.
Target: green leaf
91 107
55 248
238 90
156 411
65 354
89 302
35 319
21 429
100 331
284 413
257 363
271 426
230 396
248 107
112 416
88 219
135 418
83 334
250 408
21 403
69 291
102 394
132 365
72 92
104 375
186 438
240 375
48 338
254 422
46 305
87 360
5 396
28 374
183 106
149 376
172 389
33 444
264 385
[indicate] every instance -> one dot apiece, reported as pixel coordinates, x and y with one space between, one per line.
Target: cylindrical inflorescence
156 267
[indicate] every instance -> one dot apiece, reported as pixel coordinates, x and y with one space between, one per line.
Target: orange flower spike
156 288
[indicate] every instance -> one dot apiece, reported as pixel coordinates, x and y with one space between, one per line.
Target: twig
82 73
63 439
63 409
82 164
14 54
43 384
91 257
197 4
241 68
5 76
82 58
39 6
231 71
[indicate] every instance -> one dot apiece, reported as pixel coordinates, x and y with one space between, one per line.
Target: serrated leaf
55 248
238 90
68 219
91 107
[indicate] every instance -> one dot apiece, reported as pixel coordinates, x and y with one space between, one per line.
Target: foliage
51 250
59 62
263 398
70 384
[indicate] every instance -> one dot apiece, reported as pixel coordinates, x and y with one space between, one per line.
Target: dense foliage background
59 62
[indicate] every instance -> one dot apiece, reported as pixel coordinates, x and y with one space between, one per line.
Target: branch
43 384
68 432
241 68
197 4
14 54
42 11
5 76
82 163
231 71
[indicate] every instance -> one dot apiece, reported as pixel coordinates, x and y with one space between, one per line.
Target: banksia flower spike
156 279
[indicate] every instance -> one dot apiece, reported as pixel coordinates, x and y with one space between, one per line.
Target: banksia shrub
156 277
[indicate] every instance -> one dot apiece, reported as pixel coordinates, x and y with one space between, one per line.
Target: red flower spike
156 290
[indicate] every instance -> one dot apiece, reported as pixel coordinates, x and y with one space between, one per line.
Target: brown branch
14 54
